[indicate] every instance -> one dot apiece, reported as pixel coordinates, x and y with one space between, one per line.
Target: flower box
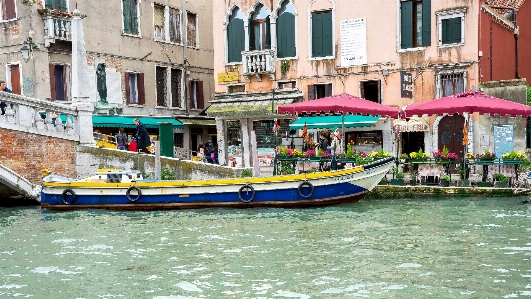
397 182
445 183
483 184
499 184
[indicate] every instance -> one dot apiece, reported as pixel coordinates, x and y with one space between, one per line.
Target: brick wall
27 154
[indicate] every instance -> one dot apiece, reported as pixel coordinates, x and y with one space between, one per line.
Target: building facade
145 58
404 52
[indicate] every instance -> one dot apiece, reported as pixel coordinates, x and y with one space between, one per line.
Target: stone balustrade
37 116
259 63
56 28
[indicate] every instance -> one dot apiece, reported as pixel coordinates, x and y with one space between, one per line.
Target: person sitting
132 145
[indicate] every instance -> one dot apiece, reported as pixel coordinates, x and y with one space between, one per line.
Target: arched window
235 36
286 31
259 32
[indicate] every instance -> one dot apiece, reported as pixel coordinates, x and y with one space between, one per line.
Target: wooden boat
127 190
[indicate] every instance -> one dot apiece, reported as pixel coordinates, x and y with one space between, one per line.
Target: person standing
121 140
142 136
3 87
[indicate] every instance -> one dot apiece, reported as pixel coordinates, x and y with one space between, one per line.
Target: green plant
463 171
446 178
246 173
529 95
166 174
284 66
398 174
500 177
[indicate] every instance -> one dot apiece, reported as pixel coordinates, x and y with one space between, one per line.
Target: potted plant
445 180
483 183
398 179
419 156
464 172
403 157
383 182
500 180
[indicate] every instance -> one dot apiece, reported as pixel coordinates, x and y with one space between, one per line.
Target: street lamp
27 50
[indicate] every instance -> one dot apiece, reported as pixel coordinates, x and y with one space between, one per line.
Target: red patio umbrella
342 103
469 102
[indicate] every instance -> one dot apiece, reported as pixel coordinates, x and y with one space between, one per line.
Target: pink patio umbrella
469 102
339 104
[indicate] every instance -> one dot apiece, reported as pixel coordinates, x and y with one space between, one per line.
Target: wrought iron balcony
259 63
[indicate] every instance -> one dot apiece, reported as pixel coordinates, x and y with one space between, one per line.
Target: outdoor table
499 163
425 167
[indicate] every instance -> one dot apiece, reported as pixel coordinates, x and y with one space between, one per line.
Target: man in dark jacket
142 137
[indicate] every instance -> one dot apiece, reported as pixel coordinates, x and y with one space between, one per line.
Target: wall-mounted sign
413 125
406 85
353 42
228 77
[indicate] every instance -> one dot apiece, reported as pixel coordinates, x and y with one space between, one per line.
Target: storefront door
451 134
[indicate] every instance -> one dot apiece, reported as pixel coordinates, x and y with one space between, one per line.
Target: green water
422 248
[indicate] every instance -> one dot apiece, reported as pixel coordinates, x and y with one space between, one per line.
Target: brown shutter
15 79
127 94
200 95
141 90
328 89
52 82
9 9
311 93
190 95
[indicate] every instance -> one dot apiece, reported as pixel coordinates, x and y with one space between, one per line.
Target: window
60 82
370 90
130 16
235 36
56 4
318 91
322 44
196 95
286 84
450 83
13 78
8 10
158 21
160 77
415 23
178 139
171 97
286 31
134 88
176 88
191 29
259 29
236 88
451 27
174 23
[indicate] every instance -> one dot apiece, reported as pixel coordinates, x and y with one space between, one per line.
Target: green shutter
134 17
268 32
236 40
426 23
446 31
317 35
327 34
406 25
127 18
286 35
322 34
456 30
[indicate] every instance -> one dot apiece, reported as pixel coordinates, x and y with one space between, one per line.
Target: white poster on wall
114 88
353 42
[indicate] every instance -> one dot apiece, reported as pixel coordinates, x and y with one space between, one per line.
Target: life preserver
246 188
66 193
128 193
305 184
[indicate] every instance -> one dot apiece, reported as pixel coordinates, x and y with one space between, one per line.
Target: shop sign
406 85
228 77
412 127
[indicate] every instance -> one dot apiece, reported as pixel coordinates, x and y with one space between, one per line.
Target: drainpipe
516 32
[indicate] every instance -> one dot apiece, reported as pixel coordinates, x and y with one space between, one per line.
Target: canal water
401 248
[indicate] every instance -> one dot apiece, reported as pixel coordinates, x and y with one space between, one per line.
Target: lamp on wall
27 49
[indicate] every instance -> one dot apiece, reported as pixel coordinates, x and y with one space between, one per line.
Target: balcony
259 63
57 25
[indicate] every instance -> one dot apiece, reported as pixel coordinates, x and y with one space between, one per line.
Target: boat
127 190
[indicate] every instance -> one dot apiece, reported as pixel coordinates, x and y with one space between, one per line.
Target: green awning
118 121
332 121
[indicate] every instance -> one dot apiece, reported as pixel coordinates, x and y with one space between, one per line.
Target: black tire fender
246 188
133 198
66 193
304 185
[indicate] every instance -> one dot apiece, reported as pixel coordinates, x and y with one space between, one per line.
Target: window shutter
446 31
406 25
141 89
127 89
455 30
328 89
200 95
327 34
426 23
15 79
127 16
286 35
317 35
268 33
52 82
236 40
175 26
311 93
9 9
